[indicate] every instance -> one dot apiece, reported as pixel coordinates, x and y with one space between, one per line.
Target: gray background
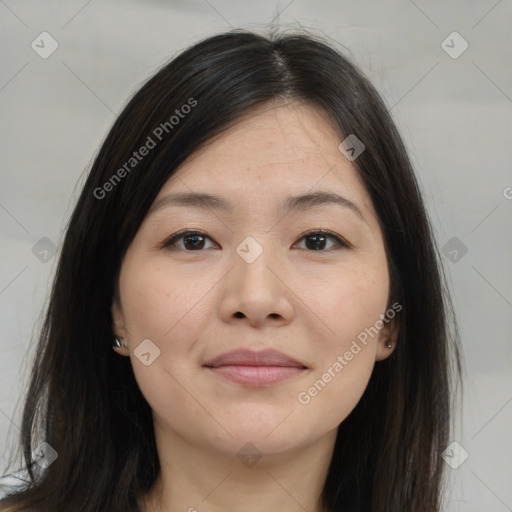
454 114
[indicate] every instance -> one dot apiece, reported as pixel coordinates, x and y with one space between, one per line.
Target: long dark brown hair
82 398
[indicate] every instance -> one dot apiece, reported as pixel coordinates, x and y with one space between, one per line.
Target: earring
388 343
118 343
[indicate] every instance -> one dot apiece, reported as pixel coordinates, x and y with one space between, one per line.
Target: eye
195 240
192 241
318 239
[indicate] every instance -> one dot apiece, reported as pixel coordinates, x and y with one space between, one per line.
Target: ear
387 335
118 328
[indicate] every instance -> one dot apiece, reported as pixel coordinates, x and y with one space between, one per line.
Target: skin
310 304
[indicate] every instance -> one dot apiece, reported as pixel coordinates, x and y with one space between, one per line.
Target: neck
193 479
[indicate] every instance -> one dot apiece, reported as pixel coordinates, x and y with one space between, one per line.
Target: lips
255 369
268 357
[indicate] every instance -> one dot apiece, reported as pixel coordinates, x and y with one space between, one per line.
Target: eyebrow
292 203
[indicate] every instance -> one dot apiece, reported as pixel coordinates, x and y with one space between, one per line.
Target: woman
252 243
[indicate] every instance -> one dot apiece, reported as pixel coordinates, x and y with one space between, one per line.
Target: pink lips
255 369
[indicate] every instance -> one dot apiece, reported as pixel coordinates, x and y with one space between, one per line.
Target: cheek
357 299
356 302
157 303
162 306
332 395
346 355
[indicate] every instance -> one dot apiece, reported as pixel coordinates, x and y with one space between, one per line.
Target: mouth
256 369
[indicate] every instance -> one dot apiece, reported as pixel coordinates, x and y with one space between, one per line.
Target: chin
268 437
258 445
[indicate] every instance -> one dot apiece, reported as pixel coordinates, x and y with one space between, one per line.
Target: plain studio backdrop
444 69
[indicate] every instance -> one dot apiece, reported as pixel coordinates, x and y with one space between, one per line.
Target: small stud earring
118 343
388 344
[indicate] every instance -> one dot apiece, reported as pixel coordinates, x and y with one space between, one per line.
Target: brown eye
192 241
316 240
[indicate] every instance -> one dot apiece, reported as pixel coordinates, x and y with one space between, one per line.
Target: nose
257 291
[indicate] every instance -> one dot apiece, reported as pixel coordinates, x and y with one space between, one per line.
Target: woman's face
253 279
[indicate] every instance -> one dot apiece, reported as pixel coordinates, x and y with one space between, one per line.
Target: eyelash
170 243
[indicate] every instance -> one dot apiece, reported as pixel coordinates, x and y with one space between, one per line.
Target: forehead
279 149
